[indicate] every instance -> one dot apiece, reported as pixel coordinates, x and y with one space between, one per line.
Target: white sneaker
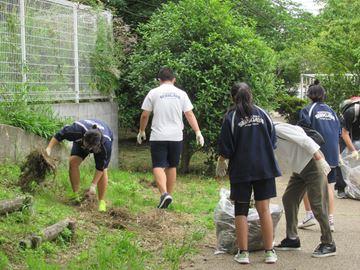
242 257
270 256
307 222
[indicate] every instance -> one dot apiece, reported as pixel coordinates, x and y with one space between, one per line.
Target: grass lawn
133 234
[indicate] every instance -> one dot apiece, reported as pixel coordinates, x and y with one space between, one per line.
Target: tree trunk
8 206
48 234
185 156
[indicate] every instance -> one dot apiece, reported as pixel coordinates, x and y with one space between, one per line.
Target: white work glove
92 189
141 137
325 168
199 138
221 167
48 151
341 161
355 155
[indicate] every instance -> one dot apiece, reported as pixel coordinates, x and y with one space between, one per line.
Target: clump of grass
35 168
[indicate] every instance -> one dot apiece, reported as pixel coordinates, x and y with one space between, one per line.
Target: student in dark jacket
323 119
88 136
247 141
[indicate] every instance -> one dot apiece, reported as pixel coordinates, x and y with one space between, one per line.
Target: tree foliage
190 37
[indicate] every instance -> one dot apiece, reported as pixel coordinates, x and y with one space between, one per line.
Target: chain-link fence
47 45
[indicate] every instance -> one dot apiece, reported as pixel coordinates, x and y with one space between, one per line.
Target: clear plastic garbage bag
351 174
225 225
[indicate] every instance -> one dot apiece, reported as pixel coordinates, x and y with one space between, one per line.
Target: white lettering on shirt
324 115
254 120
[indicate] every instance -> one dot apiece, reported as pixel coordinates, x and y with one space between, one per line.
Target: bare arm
144 119
51 144
346 137
190 117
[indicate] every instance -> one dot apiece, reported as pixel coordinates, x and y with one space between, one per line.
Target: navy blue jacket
323 119
76 131
249 145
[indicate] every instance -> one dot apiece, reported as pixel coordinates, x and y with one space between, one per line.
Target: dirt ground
346 236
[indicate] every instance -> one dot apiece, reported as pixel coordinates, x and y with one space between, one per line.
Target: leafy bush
339 88
39 119
289 106
210 47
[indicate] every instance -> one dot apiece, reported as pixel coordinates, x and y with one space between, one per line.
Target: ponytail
242 98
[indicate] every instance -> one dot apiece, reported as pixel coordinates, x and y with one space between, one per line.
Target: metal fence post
76 54
302 86
23 40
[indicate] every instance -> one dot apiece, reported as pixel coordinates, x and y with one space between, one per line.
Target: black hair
242 97
316 92
93 136
165 74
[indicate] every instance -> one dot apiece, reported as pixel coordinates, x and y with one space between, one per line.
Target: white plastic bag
351 174
225 225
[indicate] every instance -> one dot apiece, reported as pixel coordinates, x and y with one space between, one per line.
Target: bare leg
266 223
171 179
331 199
160 178
102 185
74 172
241 227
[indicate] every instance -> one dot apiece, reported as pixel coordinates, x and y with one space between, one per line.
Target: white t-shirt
167 103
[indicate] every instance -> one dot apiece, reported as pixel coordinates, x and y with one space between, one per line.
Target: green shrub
289 106
339 88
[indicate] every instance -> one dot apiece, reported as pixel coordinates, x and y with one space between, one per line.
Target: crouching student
88 136
301 154
247 140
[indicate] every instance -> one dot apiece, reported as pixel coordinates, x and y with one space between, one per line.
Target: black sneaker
165 201
289 244
324 250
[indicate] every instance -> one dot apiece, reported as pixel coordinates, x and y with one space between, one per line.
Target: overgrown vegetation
19 110
127 237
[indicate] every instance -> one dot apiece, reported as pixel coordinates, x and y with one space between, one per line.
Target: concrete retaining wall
16 144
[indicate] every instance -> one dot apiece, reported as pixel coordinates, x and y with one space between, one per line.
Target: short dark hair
165 74
316 92
92 137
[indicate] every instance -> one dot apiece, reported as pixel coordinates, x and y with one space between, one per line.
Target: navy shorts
100 162
77 150
263 190
332 176
165 154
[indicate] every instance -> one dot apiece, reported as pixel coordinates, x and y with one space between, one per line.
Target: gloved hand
91 192
325 168
199 138
355 155
48 151
341 161
141 137
221 167
92 189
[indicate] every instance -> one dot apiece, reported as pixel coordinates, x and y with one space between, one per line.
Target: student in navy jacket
323 119
247 140
88 136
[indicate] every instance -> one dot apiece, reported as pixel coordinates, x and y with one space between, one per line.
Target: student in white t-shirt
168 103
